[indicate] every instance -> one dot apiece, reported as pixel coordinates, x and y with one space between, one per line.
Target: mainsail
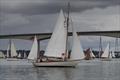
57 42
106 52
34 50
77 51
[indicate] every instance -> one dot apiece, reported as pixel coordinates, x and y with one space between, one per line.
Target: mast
116 47
116 44
9 50
38 54
100 47
67 22
109 50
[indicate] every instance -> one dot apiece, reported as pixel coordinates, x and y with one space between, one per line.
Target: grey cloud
53 6
27 24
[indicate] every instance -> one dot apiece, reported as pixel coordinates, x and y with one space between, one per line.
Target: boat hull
56 64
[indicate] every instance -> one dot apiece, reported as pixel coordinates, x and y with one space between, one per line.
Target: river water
86 70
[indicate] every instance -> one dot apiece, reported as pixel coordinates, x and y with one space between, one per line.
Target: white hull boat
56 64
57 48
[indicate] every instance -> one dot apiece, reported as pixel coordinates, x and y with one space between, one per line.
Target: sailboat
12 49
106 56
110 55
19 55
91 53
2 54
25 56
113 54
34 50
55 53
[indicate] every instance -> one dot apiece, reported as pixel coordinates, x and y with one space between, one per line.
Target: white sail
106 52
34 50
77 51
19 55
113 54
110 55
25 56
1 54
91 53
8 49
13 50
57 42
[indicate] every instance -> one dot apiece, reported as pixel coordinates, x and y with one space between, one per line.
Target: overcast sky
39 16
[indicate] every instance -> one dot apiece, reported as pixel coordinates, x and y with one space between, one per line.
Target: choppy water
86 70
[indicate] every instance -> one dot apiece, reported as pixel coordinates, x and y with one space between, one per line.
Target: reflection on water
85 71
